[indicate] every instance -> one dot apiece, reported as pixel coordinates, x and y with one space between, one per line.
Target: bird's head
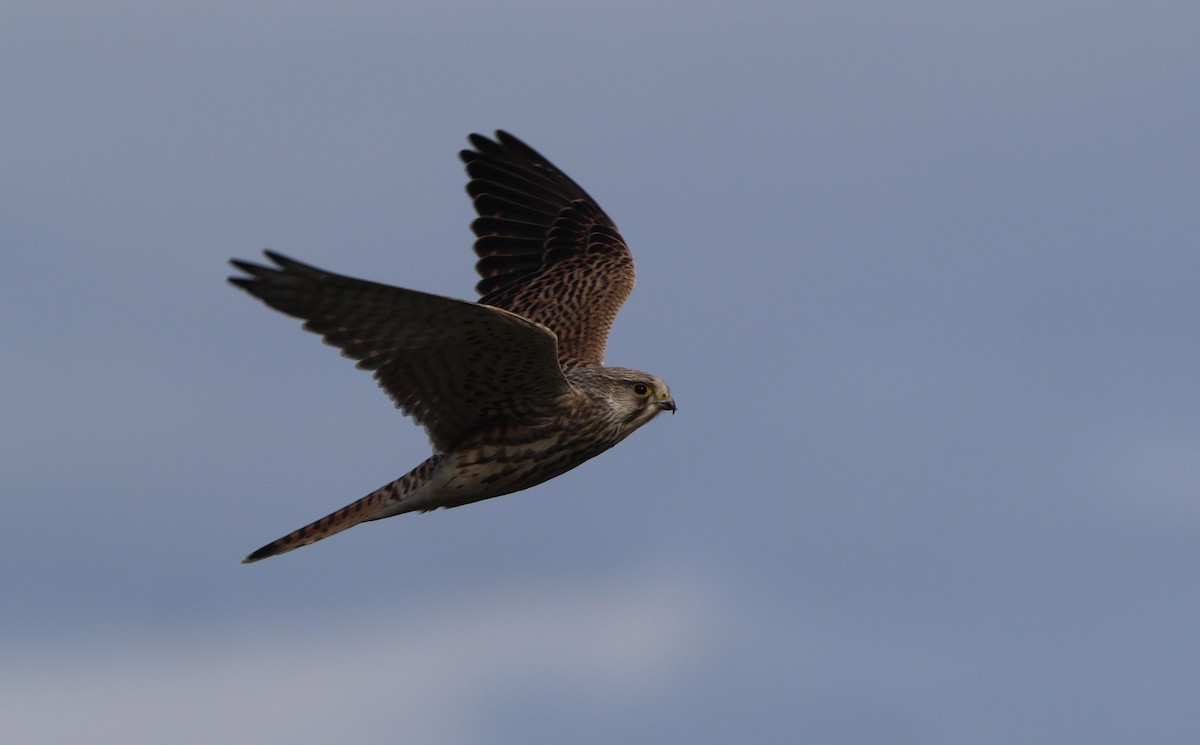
635 396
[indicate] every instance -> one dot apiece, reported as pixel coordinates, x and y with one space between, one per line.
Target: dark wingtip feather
504 144
254 270
259 272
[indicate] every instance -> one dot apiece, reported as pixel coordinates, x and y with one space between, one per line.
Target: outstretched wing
451 365
546 250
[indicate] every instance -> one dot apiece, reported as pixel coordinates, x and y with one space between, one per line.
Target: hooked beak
668 405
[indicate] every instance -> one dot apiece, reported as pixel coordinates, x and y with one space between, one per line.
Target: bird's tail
391 499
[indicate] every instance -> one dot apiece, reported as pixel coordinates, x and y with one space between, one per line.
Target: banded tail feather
386 501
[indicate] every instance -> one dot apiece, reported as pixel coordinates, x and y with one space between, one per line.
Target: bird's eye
641 389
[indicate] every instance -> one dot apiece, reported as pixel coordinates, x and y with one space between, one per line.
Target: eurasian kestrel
512 390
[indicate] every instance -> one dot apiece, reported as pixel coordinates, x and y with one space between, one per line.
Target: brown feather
547 251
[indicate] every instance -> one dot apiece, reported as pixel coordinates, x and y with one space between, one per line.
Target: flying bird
512 390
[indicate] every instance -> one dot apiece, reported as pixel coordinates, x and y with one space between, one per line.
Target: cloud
415 675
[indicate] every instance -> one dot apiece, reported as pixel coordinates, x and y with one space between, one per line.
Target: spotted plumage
511 389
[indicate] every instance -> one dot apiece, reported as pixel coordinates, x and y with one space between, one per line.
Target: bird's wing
451 365
546 250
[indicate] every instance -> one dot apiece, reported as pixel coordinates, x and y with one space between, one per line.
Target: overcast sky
922 278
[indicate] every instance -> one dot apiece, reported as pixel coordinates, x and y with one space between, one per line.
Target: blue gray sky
922 277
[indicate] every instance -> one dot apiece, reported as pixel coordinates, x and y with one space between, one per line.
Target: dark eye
641 389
